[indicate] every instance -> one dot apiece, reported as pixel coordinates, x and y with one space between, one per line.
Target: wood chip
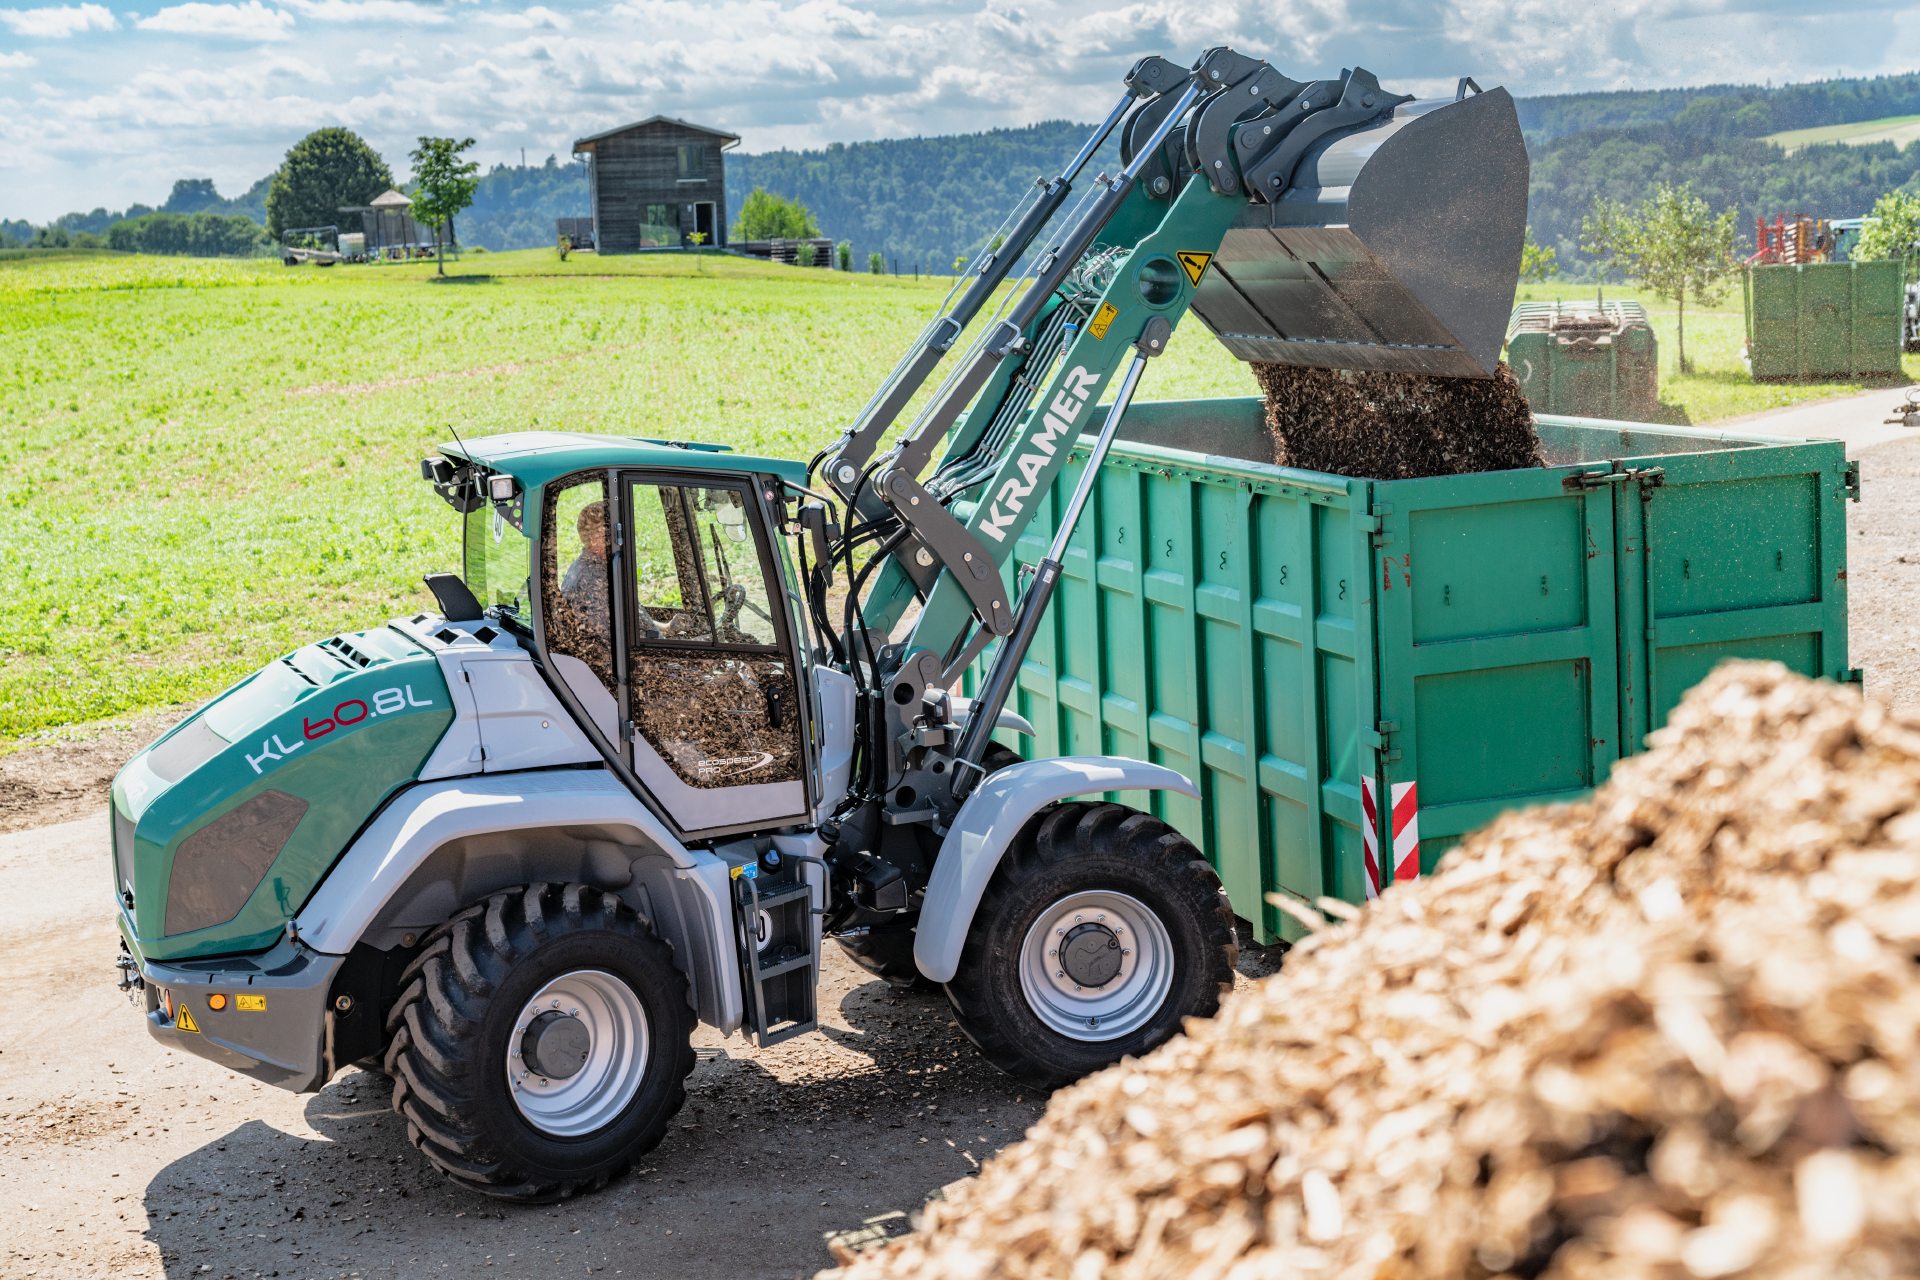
1671 1032
1396 426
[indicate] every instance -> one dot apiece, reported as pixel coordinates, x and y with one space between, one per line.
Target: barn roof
585 144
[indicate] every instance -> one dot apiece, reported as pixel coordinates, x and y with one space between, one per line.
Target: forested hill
919 201
1745 110
926 200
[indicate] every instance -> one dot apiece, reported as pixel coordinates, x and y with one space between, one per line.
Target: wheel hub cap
577 1053
556 1045
1096 965
1090 954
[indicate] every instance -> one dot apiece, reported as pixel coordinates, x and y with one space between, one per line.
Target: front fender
441 845
990 818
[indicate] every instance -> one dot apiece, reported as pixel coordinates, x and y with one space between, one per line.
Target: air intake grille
217 868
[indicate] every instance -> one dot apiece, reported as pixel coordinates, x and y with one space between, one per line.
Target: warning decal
250 1004
1101 319
1194 264
185 1021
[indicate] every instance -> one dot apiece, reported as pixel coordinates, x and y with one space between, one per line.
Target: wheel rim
1067 993
615 1025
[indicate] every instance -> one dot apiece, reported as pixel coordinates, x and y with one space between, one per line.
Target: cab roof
536 457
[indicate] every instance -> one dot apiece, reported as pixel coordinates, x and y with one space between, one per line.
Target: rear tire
467 1074
886 951
1154 933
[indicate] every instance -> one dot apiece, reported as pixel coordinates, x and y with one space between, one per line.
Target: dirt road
117 1158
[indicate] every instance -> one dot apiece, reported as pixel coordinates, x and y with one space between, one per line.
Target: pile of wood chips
1396 426
1674 1032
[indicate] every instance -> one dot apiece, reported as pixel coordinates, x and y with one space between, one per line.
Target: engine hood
224 827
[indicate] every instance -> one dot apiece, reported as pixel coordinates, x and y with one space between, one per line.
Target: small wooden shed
655 183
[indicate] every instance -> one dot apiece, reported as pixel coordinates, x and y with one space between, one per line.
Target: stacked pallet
1671 1032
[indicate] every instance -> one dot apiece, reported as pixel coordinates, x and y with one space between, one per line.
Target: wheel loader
672 725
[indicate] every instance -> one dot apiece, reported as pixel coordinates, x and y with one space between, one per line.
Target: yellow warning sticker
185 1021
1101 319
1194 264
250 1004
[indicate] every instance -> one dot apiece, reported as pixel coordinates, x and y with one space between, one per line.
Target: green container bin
1824 320
1587 359
1311 649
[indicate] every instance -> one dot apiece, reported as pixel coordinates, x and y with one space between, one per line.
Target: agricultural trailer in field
1586 360
1824 320
671 726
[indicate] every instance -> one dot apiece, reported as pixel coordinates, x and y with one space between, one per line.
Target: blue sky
104 105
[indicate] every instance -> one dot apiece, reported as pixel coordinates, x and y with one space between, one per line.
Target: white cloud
56 24
532 18
9 60
131 116
249 21
400 12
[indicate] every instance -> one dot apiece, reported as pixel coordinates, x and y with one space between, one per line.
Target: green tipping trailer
1311 648
1824 320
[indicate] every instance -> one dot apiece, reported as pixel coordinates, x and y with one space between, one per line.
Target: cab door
713 695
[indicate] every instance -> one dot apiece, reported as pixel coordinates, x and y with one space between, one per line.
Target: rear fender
442 845
990 819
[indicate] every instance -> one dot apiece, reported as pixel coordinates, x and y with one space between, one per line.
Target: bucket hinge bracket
1852 481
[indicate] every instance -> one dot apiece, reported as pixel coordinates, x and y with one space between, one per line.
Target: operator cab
659 604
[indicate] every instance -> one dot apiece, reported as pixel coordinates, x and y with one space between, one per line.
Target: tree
1536 262
1672 244
765 216
1892 230
876 263
445 185
325 170
846 255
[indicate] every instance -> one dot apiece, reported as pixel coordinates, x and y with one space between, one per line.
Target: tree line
924 201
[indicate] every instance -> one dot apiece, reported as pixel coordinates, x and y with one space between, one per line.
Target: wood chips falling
1669 1033
1396 426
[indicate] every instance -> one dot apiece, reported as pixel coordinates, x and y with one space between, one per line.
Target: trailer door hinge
1651 477
1852 481
1375 739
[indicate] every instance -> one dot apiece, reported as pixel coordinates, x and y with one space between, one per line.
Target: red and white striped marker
1406 833
1370 835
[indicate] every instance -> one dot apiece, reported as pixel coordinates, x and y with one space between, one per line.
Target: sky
104 105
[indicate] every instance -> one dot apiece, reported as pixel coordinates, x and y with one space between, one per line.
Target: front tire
1101 930
541 1043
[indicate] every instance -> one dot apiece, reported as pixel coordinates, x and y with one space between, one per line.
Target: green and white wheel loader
670 725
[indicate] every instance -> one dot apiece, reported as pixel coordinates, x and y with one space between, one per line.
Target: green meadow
205 464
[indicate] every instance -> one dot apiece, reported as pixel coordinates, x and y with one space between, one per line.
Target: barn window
693 161
659 226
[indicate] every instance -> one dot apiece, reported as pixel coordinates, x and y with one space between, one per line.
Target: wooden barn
655 183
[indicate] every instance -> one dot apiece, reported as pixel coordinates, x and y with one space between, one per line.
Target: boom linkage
846 463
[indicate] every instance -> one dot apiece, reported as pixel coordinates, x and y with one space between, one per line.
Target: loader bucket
1396 248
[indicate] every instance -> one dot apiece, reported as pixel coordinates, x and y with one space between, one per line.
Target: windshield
497 562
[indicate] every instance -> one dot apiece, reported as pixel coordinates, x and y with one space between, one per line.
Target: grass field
205 464
1899 130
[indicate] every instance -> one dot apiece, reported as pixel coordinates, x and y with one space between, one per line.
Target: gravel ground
119 1158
